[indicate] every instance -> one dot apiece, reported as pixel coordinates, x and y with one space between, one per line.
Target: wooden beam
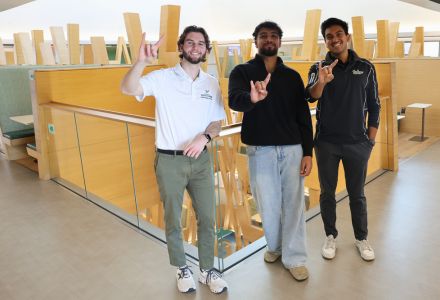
46 51
418 38
217 58
60 44
3 60
358 36
37 39
169 27
100 55
134 33
311 31
383 38
10 57
394 34
400 49
24 48
414 50
74 47
369 49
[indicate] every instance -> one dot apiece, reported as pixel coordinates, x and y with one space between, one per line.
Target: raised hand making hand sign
258 89
325 74
148 52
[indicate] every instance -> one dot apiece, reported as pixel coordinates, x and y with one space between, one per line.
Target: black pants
355 162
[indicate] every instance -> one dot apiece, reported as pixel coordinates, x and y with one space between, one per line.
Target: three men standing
347 120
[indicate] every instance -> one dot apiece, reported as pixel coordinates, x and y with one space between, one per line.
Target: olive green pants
174 174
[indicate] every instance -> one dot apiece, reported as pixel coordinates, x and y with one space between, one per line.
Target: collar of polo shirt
181 72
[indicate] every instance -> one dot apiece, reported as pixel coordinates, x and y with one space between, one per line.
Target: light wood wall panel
2 54
383 39
311 31
134 33
60 45
418 42
24 50
394 34
99 50
74 47
97 88
46 51
37 39
169 27
358 36
417 81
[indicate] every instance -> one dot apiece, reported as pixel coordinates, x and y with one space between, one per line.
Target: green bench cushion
19 134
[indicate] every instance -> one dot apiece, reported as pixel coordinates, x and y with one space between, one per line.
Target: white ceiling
223 19
8 4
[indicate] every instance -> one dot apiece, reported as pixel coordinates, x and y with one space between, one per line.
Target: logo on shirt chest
206 95
358 72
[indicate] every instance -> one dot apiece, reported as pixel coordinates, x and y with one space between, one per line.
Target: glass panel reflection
63 150
106 164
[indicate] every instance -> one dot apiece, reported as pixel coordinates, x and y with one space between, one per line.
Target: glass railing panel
239 228
105 155
63 149
143 152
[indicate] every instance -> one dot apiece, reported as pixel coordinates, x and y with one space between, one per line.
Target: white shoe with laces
185 281
214 280
365 250
328 250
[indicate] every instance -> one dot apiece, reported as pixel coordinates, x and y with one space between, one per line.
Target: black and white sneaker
214 280
185 281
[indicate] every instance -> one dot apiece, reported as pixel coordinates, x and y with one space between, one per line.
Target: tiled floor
56 245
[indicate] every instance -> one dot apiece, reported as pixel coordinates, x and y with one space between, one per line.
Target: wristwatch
372 142
207 136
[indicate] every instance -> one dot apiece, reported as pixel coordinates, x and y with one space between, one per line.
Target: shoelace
212 275
366 246
184 272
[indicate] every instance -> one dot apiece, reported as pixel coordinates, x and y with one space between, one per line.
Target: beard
268 51
193 61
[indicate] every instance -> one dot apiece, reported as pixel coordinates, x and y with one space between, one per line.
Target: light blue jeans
278 190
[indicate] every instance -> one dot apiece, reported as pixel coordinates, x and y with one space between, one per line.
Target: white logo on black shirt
358 72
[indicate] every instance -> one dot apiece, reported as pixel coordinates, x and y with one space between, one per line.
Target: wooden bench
31 149
15 143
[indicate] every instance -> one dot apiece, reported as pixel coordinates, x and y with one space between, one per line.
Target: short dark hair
331 22
188 30
267 24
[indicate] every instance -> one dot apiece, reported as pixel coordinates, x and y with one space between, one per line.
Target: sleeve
304 120
239 90
218 113
373 102
148 83
312 79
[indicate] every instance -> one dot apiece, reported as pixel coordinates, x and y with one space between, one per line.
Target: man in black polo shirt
346 89
278 131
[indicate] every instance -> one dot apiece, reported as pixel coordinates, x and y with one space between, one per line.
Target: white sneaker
214 280
185 281
365 250
328 250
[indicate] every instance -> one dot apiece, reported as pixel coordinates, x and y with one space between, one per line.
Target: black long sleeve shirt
283 117
341 113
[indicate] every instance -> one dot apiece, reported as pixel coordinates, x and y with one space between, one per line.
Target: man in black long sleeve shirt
346 89
278 131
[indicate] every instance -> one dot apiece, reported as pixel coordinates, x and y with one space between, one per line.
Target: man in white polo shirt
189 111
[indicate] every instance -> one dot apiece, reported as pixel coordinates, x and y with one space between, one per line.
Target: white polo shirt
184 107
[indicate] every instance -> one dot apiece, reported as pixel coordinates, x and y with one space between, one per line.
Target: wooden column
417 43
358 37
46 51
169 28
74 48
394 34
134 33
37 39
60 44
383 39
3 60
311 31
99 50
25 52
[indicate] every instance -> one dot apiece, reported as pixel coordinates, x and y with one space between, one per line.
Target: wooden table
421 106
26 119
